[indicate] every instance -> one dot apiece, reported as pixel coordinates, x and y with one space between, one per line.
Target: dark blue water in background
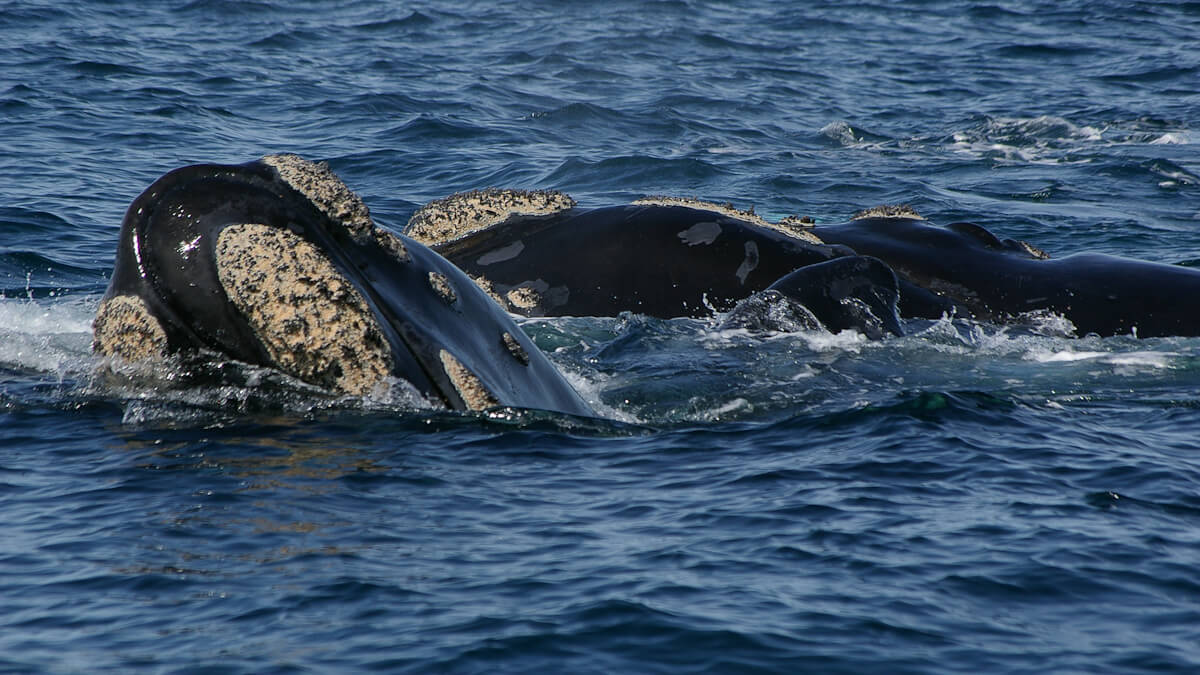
964 499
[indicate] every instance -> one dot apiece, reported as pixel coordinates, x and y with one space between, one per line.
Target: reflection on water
257 495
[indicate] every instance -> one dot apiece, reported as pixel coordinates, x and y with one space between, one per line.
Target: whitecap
1135 359
1045 139
45 337
592 385
1172 138
840 131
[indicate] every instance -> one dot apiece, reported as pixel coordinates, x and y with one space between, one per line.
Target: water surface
968 498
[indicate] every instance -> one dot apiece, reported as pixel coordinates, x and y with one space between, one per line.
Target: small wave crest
1146 359
1173 175
1042 139
845 134
1028 353
174 394
1174 138
46 337
1049 139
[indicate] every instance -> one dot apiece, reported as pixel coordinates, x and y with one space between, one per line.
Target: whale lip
277 263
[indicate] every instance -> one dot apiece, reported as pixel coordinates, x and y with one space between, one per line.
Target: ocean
966 498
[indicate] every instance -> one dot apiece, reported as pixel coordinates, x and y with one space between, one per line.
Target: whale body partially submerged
680 257
278 263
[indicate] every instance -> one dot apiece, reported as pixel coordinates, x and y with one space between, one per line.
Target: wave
1039 140
53 338
1049 139
844 134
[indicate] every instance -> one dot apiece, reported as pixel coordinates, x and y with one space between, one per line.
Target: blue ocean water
968 498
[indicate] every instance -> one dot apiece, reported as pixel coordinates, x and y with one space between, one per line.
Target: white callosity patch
125 327
514 347
314 323
1033 251
492 293
524 299
392 244
441 285
725 209
322 187
462 213
474 395
728 210
797 222
535 297
888 211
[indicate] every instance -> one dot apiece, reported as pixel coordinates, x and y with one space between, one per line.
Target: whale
999 280
277 263
542 254
539 254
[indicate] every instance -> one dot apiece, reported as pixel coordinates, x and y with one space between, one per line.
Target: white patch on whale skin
501 254
749 263
705 232
442 286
